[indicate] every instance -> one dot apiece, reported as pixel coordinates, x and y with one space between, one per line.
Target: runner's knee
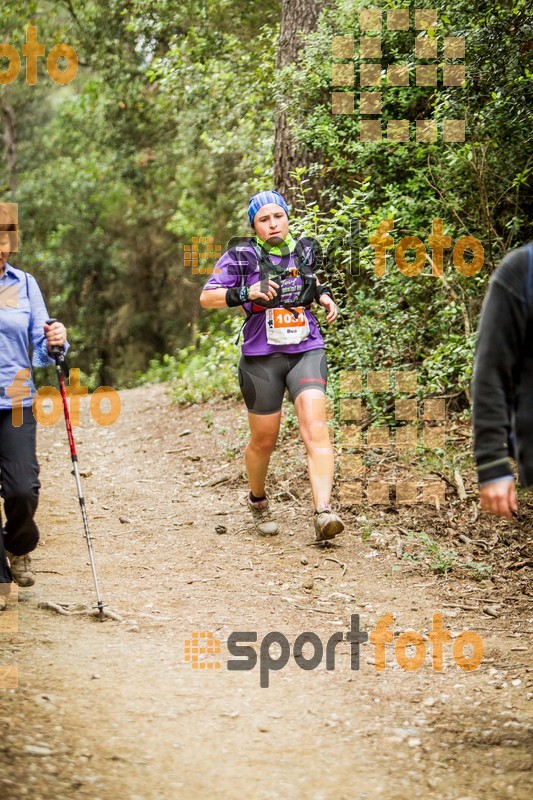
313 431
263 443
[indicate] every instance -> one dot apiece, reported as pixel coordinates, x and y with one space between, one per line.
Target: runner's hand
56 334
256 292
330 306
499 498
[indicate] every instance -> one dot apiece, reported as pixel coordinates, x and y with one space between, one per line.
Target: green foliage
478 186
169 127
439 559
442 560
367 529
478 570
391 321
203 370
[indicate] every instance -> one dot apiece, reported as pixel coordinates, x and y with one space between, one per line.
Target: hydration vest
301 269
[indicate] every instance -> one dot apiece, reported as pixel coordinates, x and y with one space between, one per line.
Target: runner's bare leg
264 429
310 408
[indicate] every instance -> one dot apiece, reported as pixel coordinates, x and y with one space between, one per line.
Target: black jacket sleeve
499 353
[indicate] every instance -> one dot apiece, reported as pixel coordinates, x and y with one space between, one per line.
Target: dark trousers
19 487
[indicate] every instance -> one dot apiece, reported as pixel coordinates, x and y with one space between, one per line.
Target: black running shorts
263 379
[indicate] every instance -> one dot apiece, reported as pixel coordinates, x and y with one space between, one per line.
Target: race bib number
282 327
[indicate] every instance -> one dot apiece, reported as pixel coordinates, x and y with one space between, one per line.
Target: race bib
282 327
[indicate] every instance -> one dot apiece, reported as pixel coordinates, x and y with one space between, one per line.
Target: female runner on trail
282 349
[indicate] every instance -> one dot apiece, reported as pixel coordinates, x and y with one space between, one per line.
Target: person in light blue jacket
23 326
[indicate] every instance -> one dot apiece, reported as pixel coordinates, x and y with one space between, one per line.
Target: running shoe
263 520
327 523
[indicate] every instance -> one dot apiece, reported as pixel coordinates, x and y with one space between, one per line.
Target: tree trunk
297 17
10 141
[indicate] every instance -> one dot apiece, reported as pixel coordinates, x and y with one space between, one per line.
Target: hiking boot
21 569
263 521
327 523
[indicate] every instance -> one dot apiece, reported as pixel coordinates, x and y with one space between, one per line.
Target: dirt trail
113 711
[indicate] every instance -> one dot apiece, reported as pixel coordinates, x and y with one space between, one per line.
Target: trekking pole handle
55 350
58 353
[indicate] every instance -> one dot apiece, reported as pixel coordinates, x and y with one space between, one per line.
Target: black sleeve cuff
233 297
501 468
321 289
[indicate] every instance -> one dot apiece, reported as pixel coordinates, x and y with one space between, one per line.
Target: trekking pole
58 355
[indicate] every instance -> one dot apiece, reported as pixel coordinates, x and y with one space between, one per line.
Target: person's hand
331 307
256 293
499 498
56 334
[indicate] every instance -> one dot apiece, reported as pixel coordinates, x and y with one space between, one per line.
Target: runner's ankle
254 499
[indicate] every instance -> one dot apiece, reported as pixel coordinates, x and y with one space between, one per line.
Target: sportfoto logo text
409 253
410 649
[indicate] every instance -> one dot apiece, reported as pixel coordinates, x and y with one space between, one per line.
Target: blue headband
261 199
